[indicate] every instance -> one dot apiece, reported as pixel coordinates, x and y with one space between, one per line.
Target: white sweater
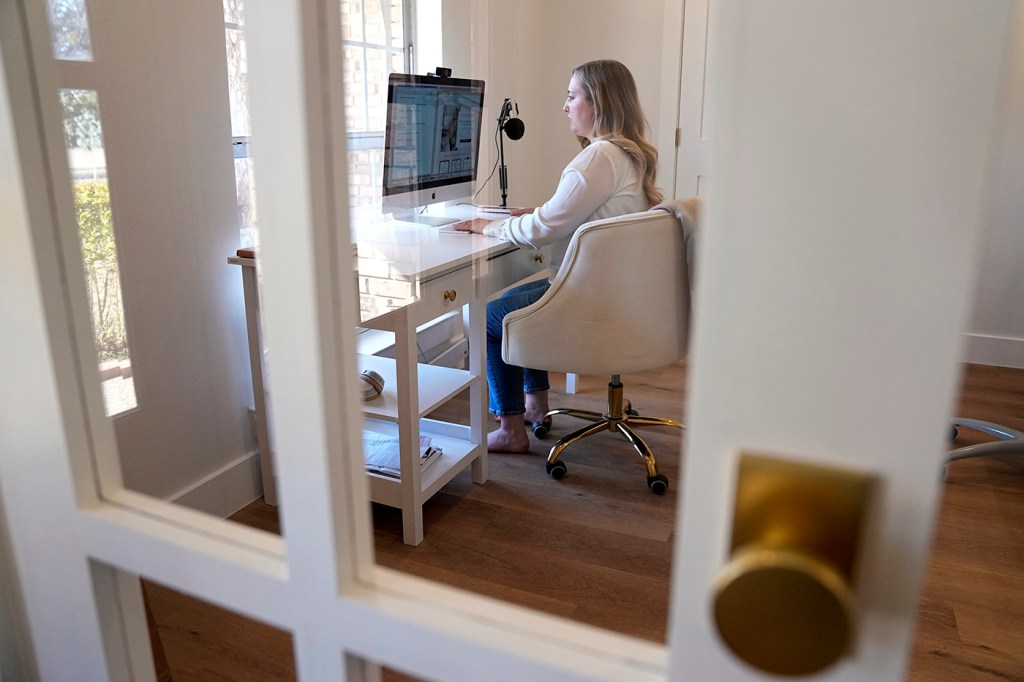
601 182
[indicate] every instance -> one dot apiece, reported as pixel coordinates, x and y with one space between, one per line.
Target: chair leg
1009 441
589 415
569 439
654 421
641 446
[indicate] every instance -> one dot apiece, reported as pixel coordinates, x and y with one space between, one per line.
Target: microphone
513 126
506 111
515 129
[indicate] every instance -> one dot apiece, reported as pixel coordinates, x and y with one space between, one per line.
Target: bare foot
531 417
527 418
536 406
508 438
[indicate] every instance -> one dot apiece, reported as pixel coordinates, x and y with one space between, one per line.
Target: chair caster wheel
658 484
556 471
541 428
632 413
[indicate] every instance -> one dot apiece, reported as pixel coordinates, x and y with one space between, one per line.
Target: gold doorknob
449 295
783 602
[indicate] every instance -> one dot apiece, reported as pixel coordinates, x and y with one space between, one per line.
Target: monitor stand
416 216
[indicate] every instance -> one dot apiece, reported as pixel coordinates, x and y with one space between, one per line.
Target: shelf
457 453
437 385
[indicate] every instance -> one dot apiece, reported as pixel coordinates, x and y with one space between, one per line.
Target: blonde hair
619 118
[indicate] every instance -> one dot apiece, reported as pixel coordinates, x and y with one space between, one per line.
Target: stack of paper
381 454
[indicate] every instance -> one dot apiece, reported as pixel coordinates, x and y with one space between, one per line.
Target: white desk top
422 252
395 258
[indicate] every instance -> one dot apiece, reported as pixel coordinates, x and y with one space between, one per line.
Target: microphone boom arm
502 171
504 118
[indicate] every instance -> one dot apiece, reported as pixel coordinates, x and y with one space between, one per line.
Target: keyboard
501 210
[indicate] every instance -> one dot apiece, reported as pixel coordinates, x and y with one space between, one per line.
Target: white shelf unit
437 385
447 274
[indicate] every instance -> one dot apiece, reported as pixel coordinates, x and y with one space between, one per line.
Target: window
83 140
238 94
69 30
375 42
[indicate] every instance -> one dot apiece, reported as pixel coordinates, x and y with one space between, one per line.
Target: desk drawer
443 294
505 270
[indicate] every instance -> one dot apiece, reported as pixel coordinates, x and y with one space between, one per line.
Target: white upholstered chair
620 304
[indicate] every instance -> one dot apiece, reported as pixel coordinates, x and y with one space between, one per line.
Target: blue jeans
507 383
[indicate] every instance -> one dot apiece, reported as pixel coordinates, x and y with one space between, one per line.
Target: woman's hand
520 211
475 225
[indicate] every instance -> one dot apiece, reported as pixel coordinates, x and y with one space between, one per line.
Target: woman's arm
586 184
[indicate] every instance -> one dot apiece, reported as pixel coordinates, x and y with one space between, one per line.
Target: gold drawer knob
539 257
449 295
783 602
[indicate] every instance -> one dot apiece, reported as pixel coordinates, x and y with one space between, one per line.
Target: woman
613 175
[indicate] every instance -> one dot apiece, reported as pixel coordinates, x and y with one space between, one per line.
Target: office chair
620 303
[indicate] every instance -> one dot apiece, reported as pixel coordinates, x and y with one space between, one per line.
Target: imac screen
432 139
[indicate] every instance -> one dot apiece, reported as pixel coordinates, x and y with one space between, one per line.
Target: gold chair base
619 417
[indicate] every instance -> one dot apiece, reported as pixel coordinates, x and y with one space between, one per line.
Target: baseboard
1002 351
225 491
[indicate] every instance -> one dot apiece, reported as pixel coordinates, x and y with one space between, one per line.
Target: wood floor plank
977 627
969 624
205 642
520 483
485 585
577 542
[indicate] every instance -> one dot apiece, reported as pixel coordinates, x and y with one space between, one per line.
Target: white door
693 152
831 168
849 150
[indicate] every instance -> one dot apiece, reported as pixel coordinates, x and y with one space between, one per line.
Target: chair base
620 417
1009 440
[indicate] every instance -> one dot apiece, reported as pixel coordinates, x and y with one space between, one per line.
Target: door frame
72 525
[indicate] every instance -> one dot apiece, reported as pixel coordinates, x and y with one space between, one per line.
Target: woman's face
580 110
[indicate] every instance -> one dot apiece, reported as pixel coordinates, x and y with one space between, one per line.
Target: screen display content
432 140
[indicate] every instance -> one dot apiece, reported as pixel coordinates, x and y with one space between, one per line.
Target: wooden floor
597 546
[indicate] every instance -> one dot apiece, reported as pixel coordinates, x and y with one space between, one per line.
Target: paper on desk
381 453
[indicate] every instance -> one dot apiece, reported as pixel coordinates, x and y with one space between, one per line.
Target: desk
408 275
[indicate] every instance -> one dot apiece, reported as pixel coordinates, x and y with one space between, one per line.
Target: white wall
160 72
527 52
997 325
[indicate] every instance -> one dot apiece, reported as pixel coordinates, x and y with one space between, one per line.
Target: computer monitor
431 143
